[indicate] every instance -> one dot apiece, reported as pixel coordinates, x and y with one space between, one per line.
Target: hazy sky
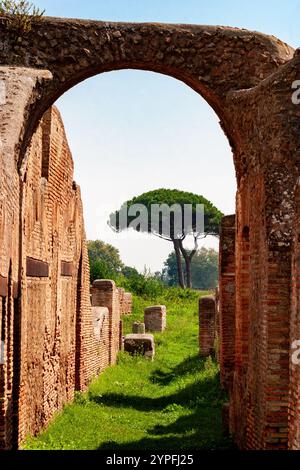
134 131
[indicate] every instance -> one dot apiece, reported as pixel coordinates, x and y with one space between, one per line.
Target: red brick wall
207 325
18 89
294 397
260 387
227 300
238 394
217 325
54 346
41 225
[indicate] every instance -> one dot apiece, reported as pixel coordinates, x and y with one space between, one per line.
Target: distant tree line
106 263
204 268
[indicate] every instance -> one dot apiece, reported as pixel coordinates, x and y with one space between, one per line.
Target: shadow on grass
200 429
200 393
199 425
192 364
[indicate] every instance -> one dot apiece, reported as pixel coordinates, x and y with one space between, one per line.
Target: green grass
173 403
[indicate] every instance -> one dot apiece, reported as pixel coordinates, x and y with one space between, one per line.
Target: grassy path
173 403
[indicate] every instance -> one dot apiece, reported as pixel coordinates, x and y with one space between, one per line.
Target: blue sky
132 131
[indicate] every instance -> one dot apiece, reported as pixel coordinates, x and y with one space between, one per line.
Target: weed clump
19 14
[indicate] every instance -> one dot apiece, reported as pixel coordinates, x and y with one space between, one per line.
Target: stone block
138 328
225 419
99 314
140 344
156 318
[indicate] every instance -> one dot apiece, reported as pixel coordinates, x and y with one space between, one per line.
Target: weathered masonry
247 78
55 339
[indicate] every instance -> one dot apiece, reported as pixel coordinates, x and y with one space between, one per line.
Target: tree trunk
188 273
179 263
188 264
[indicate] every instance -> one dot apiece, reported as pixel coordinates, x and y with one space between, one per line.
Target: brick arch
212 60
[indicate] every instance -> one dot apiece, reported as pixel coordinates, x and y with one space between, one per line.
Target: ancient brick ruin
138 328
55 338
125 302
46 317
207 325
